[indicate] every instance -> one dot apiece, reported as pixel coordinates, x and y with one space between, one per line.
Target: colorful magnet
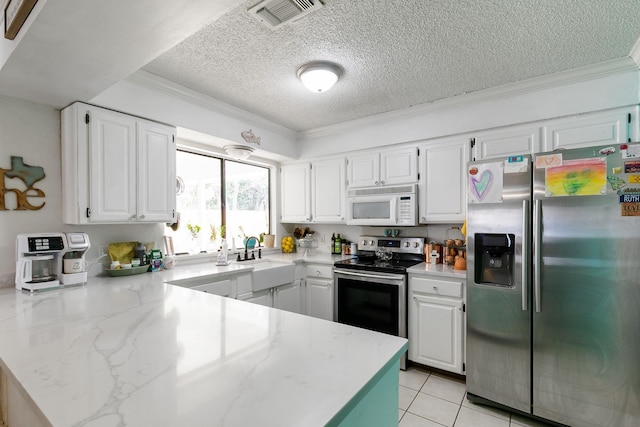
607 151
632 166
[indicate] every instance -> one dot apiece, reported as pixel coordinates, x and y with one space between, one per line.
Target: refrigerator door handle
525 251
537 225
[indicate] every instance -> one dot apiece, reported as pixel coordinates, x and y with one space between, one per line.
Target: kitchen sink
269 274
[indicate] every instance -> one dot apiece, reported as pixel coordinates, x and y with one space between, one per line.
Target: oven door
375 301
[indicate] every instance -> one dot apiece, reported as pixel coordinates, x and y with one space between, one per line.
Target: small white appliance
50 260
388 206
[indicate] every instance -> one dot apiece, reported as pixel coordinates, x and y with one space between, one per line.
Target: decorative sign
581 177
29 175
15 14
250 137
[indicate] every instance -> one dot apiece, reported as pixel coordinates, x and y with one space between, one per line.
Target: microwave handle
394 209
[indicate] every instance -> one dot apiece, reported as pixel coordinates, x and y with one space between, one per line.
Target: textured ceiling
395 53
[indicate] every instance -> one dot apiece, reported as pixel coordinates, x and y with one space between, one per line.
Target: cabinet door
435 332
224 288
156 172
443 195
295 198
508 141
262 298
328 186
112 167
289 297
320 298
363 170
611 127
399 166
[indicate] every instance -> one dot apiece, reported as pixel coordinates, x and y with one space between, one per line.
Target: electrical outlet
103 251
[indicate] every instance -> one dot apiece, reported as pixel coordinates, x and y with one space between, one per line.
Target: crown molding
635 52
175 90
591 72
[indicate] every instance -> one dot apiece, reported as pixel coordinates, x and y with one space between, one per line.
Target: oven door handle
367 275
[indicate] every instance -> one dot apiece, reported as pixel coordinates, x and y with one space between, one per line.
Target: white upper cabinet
295 194
116 168
314 192
156 172
508 141
613 127
328 188
389 167
605 127
442 181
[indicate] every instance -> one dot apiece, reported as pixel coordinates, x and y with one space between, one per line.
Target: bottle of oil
333 243
338 246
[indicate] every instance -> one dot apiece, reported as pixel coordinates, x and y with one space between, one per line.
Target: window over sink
217 196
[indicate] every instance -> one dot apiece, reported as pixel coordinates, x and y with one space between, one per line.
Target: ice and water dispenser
494 255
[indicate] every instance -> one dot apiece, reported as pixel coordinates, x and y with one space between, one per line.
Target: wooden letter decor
29 175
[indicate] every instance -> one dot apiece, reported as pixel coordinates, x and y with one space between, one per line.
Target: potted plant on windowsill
194 230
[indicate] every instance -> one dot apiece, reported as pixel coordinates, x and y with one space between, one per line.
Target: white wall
32 131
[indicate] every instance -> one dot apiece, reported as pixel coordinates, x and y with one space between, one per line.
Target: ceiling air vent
274 13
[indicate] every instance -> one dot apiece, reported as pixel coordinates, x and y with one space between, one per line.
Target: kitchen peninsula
139 352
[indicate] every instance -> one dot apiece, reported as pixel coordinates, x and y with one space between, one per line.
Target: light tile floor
433 400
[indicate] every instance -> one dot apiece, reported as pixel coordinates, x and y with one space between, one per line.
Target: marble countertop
135 351
437 270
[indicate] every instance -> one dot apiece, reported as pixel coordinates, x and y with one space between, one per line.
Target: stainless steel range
371 289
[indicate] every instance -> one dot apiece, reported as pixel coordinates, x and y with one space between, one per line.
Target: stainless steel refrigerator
553 285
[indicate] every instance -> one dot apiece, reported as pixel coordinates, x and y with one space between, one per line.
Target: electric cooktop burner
407 252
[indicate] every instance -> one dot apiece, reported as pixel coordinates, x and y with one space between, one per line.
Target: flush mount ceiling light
239 152
319 76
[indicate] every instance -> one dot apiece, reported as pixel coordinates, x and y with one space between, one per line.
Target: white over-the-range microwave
387 206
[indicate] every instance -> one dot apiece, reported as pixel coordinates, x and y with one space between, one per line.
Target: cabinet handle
435 288
318 273
141 216
132 216
377 182
381 182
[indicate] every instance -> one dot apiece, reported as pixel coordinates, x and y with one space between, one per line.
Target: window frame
270 169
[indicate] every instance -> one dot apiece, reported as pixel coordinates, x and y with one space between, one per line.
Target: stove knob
363 243
371 242
416 245
406 244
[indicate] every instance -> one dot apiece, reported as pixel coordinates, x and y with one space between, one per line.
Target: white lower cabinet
224 288
320 298
436 322
289 297
285 297
319 291
264 297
